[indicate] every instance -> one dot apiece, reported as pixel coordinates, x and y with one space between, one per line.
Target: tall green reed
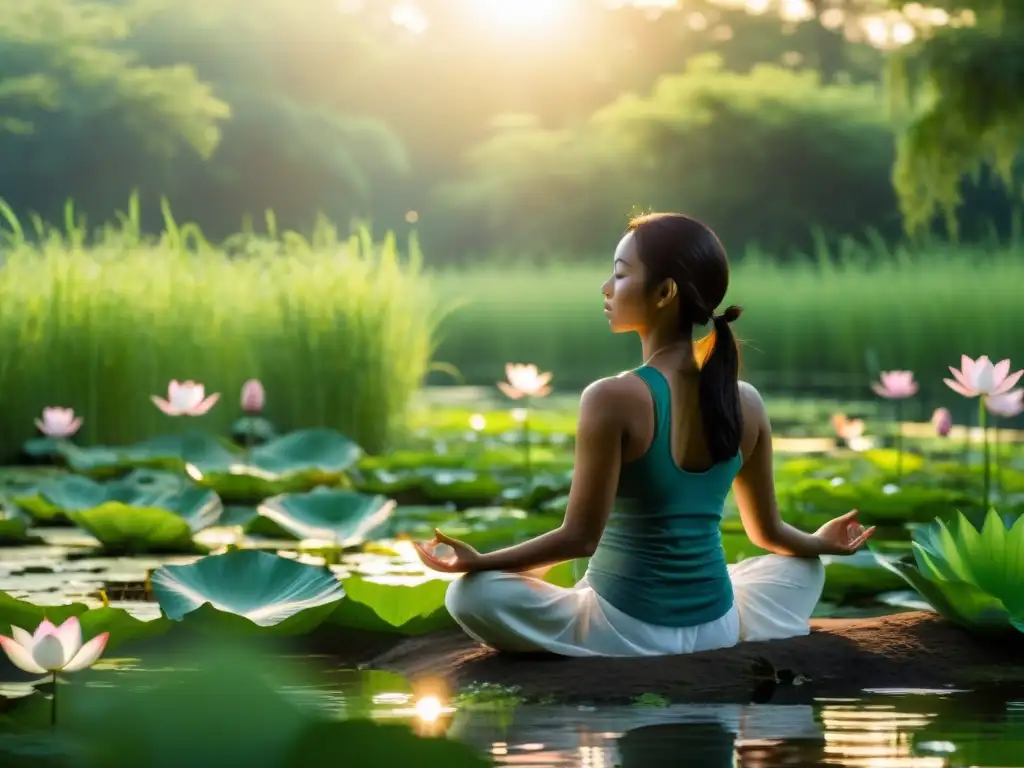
829 323
339 329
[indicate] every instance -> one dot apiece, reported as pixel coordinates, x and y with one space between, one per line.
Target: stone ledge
840 656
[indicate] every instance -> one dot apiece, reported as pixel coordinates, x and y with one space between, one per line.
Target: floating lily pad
153 522
462 486
817 501
294 462
13 525
391 608
171 452
857 575
122 626
253 430
343 517
246 591
42 448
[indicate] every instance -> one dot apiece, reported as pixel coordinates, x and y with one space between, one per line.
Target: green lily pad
817 501
246 591
857 575
151 523
42 448
13 524
294 462
171 452
392 608
253 430
343 517
462 486
122 626
889 460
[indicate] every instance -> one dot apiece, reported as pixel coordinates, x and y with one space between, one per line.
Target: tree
960 87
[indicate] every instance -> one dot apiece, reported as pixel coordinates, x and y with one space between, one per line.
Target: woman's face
625 294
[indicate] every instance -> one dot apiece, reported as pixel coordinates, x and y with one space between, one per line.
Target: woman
657 450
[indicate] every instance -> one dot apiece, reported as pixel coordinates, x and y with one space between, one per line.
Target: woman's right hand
844 535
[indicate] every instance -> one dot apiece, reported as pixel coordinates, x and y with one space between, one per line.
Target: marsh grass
824 326
340 330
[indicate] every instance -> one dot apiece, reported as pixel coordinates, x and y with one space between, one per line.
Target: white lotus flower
525 381
53 649
59 422
185 398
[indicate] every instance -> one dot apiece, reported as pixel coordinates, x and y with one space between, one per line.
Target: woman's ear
667 291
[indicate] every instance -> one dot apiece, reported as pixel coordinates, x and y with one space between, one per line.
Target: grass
339 330
825 327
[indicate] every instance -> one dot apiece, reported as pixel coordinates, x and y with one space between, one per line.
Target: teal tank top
660 558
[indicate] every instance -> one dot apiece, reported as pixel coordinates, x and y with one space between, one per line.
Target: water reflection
939 729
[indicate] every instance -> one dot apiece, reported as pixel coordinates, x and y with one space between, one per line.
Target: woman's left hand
464 558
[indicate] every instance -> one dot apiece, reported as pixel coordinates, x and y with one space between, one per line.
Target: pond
91 525
879 729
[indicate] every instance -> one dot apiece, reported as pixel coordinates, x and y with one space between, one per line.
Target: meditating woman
657 450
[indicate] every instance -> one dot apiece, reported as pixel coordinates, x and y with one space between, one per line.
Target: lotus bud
253 396
942 420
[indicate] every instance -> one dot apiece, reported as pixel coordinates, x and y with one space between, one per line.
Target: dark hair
675 247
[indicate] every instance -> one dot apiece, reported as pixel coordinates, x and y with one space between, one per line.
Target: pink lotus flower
895 385
1007 405
525 381
253 396
980 377
847 429
185 398
53 649
59 422
942 420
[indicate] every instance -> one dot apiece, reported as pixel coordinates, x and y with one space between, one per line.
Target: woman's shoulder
615 392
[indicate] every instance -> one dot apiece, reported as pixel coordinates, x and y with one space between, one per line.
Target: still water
879 729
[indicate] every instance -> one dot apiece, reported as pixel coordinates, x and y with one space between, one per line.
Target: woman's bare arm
755 490
594 484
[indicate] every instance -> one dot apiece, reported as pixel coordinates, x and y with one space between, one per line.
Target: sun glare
520 14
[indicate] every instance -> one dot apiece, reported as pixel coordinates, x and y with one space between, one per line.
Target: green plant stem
899 441
983 424
526 444
53 702
248 443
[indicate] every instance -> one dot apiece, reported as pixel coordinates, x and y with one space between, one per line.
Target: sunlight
520 14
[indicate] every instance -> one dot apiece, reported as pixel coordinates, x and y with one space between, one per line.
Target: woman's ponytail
720 410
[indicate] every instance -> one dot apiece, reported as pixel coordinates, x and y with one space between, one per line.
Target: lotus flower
185 398
942 420
978 378
253 396
525 381
59 422
53 649
895 385
1007 405
972 577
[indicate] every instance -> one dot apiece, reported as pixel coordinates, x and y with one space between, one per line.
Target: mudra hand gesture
463 559
843 535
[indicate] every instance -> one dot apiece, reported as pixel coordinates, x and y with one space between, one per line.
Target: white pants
774 598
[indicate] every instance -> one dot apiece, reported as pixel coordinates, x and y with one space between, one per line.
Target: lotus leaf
393 608
294 462
246 591
253 430
857 575
13 524
345 518
462 486
817 501
971 576
42 448
889 460
163 452
122 626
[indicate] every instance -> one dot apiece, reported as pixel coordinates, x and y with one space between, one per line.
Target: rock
840 657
